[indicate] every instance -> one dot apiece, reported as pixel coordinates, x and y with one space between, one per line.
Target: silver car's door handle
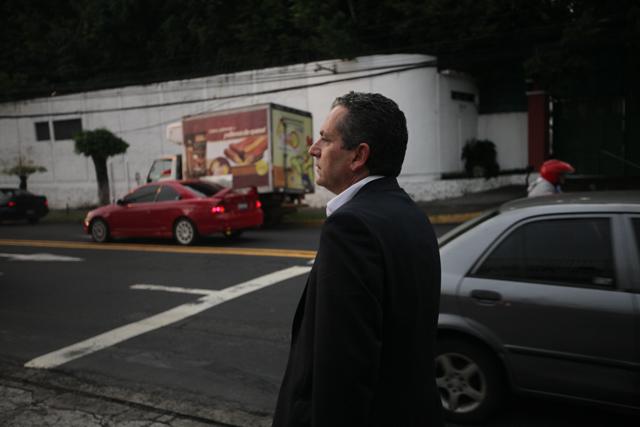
486 296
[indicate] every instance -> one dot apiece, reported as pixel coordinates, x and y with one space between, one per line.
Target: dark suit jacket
362 350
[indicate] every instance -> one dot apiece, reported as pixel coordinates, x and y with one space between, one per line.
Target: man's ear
360 157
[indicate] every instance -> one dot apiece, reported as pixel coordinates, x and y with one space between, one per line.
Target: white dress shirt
348 194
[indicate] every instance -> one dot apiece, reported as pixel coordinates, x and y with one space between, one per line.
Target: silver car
542 296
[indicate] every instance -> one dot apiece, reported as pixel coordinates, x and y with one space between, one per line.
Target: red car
183 210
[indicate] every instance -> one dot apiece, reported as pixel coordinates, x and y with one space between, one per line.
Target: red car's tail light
11 203
217 209
46 203
258 204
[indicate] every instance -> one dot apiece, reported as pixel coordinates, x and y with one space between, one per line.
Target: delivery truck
263 146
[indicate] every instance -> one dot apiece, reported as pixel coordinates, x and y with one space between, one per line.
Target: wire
251 79
424 64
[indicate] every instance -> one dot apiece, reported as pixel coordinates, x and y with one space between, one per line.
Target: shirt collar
342 198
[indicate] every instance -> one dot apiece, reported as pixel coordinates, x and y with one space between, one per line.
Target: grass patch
65 216
306 215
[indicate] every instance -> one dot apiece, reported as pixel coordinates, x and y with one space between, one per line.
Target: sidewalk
26 404
460 209
32 397
444 211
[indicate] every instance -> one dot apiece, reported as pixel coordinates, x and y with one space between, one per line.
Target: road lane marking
281 253
176 314
146 287
40 257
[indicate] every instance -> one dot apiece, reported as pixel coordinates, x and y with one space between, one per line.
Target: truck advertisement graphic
263 146
292 138
225 144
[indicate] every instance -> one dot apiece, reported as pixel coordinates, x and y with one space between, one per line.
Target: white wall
458 120
509 132
438 125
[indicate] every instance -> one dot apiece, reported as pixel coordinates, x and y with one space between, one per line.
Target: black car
16 204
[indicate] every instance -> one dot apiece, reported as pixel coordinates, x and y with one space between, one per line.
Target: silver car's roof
628 200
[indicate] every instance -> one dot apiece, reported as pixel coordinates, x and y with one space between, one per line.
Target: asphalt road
233 354
173 327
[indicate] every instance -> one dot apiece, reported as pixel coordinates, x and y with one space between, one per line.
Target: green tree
100 144
76 45
22 169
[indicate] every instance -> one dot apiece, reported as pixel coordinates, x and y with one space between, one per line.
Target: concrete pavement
33 397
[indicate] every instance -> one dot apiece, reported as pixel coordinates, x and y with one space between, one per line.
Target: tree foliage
74 45
100 144
480 158
23 168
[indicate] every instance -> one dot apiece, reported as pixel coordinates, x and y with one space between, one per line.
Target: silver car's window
575 252
464 227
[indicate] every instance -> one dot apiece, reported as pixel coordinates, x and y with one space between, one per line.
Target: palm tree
100 144
22 169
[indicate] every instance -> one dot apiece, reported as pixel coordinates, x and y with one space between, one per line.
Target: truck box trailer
263 146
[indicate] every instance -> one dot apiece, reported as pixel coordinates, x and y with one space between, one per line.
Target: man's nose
314 150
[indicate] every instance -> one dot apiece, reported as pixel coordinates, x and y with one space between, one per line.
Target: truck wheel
184 232
272 218
470 381
99 231
232 234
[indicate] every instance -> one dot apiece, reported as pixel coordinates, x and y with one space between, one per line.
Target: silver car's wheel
462 384
184 232
99 231
469 381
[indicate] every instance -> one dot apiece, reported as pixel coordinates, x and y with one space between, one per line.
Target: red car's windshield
202 189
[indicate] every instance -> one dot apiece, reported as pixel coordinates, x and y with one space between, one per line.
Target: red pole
538 133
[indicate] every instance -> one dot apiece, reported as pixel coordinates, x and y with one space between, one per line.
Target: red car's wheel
184 232
99 231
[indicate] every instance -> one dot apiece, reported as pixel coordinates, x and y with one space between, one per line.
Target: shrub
479 157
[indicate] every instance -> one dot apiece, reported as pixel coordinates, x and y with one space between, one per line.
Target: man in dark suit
362 350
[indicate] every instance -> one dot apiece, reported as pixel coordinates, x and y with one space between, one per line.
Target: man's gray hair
377 121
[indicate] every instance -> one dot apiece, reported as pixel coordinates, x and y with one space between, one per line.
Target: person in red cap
552 175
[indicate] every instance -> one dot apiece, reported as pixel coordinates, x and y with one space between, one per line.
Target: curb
451 218
456 218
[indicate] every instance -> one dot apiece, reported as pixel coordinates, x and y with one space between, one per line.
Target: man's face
332 161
